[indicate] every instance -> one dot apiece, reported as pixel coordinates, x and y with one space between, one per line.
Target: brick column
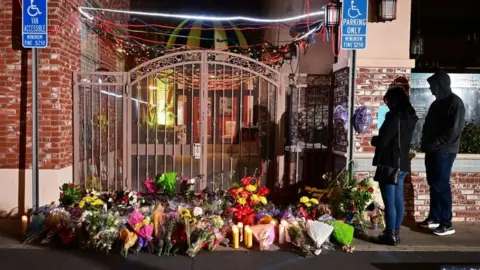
56 64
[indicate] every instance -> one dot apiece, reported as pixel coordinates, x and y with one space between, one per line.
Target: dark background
448 28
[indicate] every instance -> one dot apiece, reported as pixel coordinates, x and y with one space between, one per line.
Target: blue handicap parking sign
34 24
354 24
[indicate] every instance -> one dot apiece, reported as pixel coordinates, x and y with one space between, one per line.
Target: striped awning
206 35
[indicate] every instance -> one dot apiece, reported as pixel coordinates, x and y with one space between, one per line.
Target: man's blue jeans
394 203
439 169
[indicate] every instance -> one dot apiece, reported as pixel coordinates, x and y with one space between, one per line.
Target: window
466 86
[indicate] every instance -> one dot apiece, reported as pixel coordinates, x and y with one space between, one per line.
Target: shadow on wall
16 37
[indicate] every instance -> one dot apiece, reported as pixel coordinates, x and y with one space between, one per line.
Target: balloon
362 119
340 115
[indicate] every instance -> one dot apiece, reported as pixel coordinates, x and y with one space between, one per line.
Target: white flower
197 211
377 195
191 181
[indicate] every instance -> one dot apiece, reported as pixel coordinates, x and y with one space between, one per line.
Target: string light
83 10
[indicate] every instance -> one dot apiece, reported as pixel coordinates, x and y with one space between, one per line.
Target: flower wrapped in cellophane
200 237
218 232
264 234
142 226
165 242
128 239
319 232
299 239
103 229
58 222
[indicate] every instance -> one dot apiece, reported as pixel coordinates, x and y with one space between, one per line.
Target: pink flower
146 232
135 218
151 185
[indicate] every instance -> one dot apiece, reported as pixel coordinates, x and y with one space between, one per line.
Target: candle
281 233
248 237
286 237
24 224
240 229
235 236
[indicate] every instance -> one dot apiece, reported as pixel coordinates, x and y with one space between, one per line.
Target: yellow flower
254 198
97 202
81 204
251 188
239 190
263 200
242 201
304 199
308 204
313 201
308 188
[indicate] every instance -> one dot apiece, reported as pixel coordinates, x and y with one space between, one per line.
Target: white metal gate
207 113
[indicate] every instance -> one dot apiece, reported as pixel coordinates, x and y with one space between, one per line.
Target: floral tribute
246 199
164 223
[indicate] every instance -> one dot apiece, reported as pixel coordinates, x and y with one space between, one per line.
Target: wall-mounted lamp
387 10
332 14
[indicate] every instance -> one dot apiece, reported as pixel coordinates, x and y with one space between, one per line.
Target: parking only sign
354 24
34 24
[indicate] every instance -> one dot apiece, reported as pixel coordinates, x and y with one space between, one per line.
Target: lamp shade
387 10
332 14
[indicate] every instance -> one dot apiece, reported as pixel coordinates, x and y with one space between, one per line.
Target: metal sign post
34 35
354 37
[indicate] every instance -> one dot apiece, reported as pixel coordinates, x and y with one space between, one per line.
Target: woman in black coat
391 155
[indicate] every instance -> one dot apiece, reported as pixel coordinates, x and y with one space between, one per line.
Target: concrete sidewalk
466 239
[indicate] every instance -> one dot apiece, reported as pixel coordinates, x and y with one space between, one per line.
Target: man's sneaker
429 224
444 230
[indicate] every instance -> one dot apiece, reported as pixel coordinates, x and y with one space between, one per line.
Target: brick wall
465 191
371 86
56 64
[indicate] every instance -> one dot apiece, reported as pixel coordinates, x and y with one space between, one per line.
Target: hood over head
440 84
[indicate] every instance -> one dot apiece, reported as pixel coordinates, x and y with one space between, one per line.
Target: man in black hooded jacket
441 142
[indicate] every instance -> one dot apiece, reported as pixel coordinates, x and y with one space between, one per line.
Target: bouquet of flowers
128 238
167 181
264 234
307 207
200 237
298 239
103 229
142 227
247 198
91 202
319 232
187 188
58 222
165 242
70 194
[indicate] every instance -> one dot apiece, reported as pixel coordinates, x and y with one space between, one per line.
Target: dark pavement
419 250
17 258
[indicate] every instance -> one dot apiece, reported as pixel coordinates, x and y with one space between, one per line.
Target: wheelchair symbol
353 11
33 10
